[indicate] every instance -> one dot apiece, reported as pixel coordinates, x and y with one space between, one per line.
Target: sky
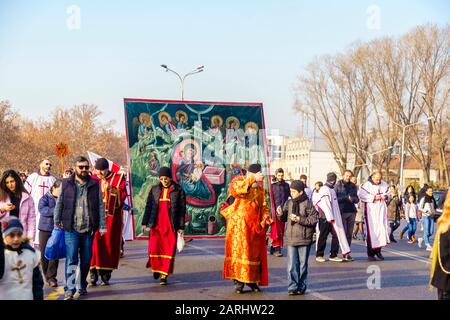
64 53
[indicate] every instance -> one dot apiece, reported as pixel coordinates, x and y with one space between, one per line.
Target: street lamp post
402 156
370 155
197 70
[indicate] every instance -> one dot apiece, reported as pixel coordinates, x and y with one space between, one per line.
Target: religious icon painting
201 143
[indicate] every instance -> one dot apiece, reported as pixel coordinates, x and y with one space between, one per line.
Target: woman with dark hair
16 201
408 191
427 209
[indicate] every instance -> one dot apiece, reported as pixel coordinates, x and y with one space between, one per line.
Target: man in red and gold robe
106 248
248 218
165 215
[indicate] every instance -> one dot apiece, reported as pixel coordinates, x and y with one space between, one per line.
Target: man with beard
106 249
80 213
38 184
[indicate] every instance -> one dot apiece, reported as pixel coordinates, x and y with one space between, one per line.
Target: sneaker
409 241
320 259
429 248
105 279
293 293
68 295
163 280
348 258
419 242
336 259
401 234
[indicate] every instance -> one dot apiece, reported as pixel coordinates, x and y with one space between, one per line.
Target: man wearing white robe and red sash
38 184
373 194
330 220
106 248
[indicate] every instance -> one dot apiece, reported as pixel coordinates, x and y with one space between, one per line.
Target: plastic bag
56 245
180 242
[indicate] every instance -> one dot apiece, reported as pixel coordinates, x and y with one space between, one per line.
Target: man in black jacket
347 195
164 214
80 212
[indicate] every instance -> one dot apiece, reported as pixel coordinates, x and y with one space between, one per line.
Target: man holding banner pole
106 249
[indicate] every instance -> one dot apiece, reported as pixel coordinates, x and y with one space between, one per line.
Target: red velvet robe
106 248
163 239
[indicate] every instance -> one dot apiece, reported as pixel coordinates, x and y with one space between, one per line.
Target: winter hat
101 164
13 225
254 168
297 185
165 172
331 177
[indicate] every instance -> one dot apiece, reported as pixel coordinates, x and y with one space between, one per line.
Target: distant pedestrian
301 217
359 221
394 212
347 196
411 216
308 191
281 194
427 212
440 265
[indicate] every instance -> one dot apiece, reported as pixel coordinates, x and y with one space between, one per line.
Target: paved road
403 275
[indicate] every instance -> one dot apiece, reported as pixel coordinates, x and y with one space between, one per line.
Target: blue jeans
297 267
428 229
412 227
77 244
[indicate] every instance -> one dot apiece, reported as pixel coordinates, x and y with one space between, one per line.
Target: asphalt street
403 275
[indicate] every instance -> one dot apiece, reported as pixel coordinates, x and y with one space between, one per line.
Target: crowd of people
87 206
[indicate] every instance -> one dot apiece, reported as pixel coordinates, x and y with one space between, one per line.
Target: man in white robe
38 184
374 194
330 220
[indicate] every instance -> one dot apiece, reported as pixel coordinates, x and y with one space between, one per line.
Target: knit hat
13 225
331 177
254 168
297 185
101 164
165 172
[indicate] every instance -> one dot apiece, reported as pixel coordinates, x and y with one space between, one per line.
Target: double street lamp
197 70
370 155
402 157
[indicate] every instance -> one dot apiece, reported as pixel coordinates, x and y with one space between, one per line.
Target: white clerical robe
326 200
38 185
375 212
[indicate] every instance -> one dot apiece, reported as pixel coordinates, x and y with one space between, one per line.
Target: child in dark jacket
301 218
22 279
46 208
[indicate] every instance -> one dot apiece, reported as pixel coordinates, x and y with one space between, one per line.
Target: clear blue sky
252 50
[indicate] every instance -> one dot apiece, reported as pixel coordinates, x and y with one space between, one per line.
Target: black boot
238 286
93 277
254 287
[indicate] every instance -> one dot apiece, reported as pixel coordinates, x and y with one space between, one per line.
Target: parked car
439 196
